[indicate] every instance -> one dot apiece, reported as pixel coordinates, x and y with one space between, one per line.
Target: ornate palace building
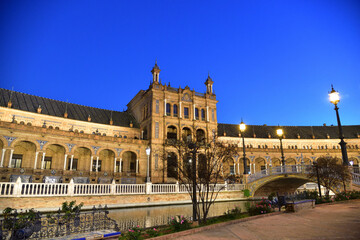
48 140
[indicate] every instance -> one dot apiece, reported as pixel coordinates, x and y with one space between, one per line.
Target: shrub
247 193
152 232
179 223
263 207
133 233
233 213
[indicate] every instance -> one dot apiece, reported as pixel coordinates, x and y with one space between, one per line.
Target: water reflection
156 216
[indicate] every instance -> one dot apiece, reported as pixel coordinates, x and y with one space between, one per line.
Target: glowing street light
242 128
280 133
335 99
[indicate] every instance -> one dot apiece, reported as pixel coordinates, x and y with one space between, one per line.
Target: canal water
146 217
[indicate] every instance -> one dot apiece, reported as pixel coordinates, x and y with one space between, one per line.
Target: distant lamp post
148 150
242 128
280 134
194 148
335 99
317 176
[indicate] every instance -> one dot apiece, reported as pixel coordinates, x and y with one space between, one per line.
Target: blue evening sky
272 62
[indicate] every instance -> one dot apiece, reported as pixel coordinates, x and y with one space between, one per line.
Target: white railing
356 178
7 189
92 189
43 189
164 188
279 170
19 189
130 189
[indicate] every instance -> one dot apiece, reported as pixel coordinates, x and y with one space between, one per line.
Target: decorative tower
155 72
209 85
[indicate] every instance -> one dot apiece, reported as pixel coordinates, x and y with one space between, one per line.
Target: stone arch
202 165
172 165
106 160
229 166
307 161
290 161
171 132
277 183
241 166
186 134
13 143
54 157
83 146
129 159
46 145
260 164
275 162
82 157
23 155
200 135
3 142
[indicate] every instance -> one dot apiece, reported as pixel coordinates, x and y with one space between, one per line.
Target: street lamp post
280 133
242 127
148 150
335 99
193 148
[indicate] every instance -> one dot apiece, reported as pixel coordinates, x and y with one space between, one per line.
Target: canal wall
45 204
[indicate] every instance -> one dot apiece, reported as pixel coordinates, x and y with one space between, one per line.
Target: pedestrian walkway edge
216 225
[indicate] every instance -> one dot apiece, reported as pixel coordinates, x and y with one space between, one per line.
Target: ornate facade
47 140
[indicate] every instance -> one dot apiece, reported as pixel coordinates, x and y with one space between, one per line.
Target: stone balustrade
19 189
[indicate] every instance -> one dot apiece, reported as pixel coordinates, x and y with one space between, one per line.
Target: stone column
71 162
238 167
91 163
137 165
36 157
180 110
207 113
11 154
120 167
97 164
2 157
114 164
164 107
234 168
43 161
65 158
194 112
254 167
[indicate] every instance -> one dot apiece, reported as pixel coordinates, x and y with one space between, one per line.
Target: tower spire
155 72
209 84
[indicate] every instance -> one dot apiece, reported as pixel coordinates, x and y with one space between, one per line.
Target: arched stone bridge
287 178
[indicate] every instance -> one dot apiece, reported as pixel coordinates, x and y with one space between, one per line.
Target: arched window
202 114
196 113
171 132
175 110
168 109
200 136
186 134
172 166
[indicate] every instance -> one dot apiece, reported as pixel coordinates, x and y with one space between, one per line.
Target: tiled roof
291 132
56 108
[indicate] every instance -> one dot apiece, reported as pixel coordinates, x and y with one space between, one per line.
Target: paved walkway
337 221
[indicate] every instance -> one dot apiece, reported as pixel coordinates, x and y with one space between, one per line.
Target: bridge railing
356 178
19 189
287 169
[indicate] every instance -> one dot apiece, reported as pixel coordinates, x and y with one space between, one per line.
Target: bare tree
330 172
211 162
